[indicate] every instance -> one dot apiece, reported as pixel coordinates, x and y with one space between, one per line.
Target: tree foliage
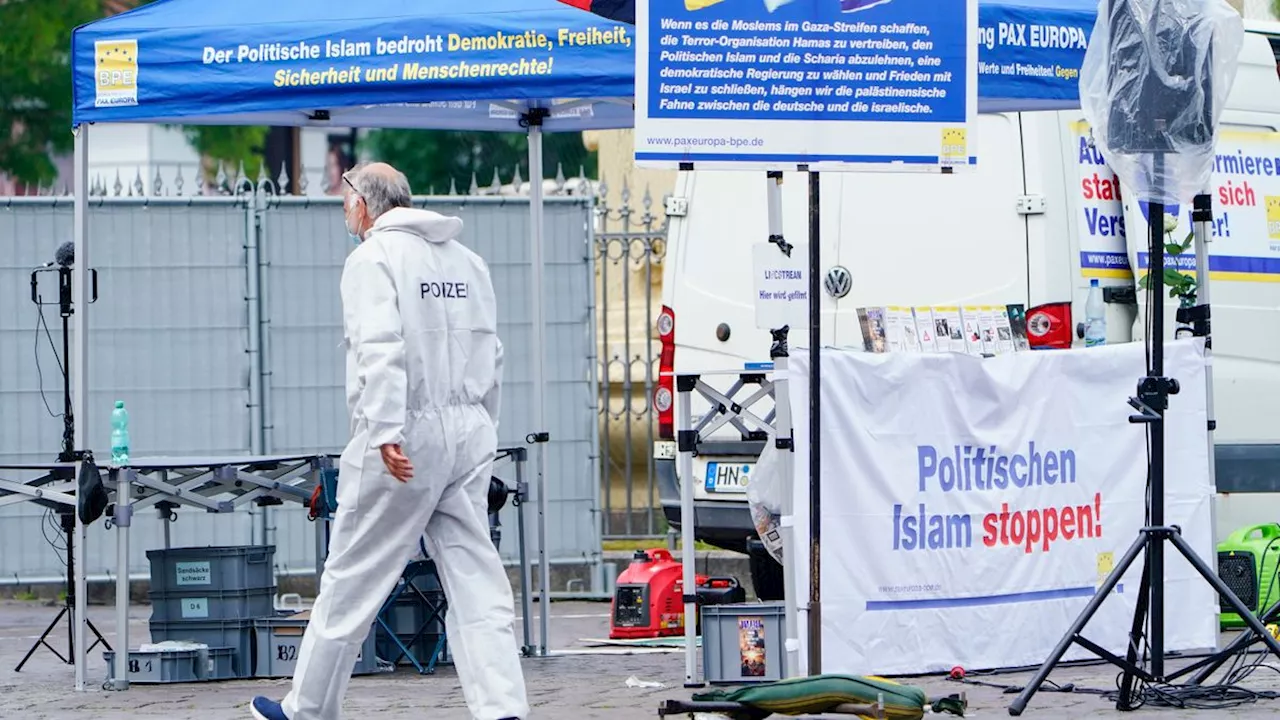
35 93
432 159
234 145
35 84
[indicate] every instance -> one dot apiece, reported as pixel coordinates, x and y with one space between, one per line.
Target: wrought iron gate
630 246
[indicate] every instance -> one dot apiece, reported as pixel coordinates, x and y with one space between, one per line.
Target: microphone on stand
65 255
63 258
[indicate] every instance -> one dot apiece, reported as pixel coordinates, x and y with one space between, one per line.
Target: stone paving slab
584 684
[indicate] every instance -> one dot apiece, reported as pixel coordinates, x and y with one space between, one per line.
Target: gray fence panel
304 248
168 336
167 333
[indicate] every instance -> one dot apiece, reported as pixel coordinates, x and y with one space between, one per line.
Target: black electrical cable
1264 598
1224 695
53 542
42 324
47 521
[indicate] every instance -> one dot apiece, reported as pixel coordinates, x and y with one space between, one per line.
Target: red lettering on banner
1233 195
989 525
1040 528
1097 187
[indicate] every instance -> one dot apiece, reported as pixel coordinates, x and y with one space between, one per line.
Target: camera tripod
1151 402
68 455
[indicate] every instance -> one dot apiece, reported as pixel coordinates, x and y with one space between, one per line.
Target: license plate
723 477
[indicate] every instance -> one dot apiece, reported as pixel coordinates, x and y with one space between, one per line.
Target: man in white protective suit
424 366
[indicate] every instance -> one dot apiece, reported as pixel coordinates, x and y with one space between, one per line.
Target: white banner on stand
854 84
971 507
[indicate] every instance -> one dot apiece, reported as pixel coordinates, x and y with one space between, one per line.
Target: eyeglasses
351 185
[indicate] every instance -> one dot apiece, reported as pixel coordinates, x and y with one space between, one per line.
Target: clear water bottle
1095 317
119 435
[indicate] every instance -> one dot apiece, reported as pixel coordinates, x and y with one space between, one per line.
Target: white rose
1170 223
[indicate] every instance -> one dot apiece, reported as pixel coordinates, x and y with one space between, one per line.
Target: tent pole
78 366
534 119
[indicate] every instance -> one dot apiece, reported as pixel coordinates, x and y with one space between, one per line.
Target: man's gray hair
380 191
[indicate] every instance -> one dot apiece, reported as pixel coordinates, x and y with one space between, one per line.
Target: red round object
957 673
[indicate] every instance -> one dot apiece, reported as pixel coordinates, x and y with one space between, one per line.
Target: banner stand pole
687 439
784 441
1198 318
815 427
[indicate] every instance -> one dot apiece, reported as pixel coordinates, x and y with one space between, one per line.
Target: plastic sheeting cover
764 496
1155 79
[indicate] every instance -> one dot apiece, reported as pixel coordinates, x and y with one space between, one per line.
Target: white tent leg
122 520
782 405
539 378
78 366
684 474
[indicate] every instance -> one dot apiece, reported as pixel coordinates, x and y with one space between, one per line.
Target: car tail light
664 395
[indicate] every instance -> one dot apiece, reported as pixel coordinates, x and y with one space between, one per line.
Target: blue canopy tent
1031 52
514 65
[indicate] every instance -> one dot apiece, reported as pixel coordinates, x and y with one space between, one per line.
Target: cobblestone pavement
578 682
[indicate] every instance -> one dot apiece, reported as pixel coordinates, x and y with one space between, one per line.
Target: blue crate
209 605
234 634
278 642
219 664
723 628
159 667
212 569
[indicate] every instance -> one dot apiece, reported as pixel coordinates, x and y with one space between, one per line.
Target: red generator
649 601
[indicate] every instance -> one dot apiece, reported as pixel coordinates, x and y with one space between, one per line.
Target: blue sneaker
264 709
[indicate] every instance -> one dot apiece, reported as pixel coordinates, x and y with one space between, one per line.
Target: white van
1009 233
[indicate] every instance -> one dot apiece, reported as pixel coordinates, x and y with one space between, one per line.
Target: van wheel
766 573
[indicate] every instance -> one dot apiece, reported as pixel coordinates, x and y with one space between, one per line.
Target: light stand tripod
1165 108
1153 399
68 455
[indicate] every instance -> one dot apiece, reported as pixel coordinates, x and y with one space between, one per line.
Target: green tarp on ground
824 693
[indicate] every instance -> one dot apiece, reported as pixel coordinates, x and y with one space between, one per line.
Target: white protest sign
781 286
835 85
961 494
1245 231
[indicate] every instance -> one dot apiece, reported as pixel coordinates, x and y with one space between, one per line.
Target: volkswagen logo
838 282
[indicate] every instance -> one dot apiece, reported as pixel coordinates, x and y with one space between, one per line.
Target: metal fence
211 360
630 245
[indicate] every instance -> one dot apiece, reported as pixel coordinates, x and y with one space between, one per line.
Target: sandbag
824 693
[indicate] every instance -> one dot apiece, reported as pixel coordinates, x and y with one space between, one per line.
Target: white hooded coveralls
424 368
